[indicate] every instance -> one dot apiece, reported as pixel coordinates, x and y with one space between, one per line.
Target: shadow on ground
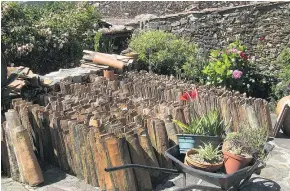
52 175
261 184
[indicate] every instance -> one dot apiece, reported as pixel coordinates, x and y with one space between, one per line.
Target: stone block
165 27
153 25
175 24
77 79
183 21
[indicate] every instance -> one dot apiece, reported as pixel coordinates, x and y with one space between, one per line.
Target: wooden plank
137 157
148 152
11 123
30 168
119 155
88 155
161 143
65 137
92 142
46 136
106 180
4 152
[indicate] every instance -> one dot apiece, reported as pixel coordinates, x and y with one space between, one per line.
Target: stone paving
54 180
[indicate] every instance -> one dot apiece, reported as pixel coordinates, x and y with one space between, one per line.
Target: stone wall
130 9
215 29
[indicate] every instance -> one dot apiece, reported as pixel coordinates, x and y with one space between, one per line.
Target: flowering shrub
164 52
48 36
231 67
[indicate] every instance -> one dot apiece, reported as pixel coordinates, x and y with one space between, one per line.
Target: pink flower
261 38
237 74
243 55
234 50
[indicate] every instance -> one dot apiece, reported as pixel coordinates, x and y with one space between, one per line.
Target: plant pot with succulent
240 148
203 127
206 157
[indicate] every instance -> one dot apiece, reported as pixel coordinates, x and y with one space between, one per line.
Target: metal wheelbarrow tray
222 180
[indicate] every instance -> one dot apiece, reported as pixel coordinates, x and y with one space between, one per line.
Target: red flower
188 96
243 55
261 38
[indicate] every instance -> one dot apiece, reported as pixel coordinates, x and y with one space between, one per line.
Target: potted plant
206 157
239 148
206 127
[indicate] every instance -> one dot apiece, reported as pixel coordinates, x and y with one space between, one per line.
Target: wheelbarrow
221 180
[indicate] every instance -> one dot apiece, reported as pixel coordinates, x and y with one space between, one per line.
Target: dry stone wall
215 29
130 9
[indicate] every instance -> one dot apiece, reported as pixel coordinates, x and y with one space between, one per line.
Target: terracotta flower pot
109 75
199 165
234 162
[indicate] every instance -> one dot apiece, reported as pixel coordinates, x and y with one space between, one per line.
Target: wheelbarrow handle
260 166
165 170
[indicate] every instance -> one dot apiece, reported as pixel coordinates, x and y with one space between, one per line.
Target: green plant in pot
203 127
206 157
239 148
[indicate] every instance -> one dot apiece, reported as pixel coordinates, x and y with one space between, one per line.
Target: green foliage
48 36
207 124
247 140
97 38
209 154
194 66
231 67
163 52
283 87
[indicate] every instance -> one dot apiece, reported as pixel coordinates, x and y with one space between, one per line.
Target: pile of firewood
85 128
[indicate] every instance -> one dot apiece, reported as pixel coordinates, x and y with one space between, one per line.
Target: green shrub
231 67
163 52
283 87
49 36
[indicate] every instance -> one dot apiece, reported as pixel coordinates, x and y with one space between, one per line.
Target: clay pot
280 106
198 165
109 75
234 162
100 58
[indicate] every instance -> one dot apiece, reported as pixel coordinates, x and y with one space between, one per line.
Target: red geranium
243 55
188 96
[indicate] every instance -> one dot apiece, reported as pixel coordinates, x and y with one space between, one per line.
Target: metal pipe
165 170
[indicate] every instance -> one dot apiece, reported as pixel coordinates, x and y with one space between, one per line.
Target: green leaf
180 124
